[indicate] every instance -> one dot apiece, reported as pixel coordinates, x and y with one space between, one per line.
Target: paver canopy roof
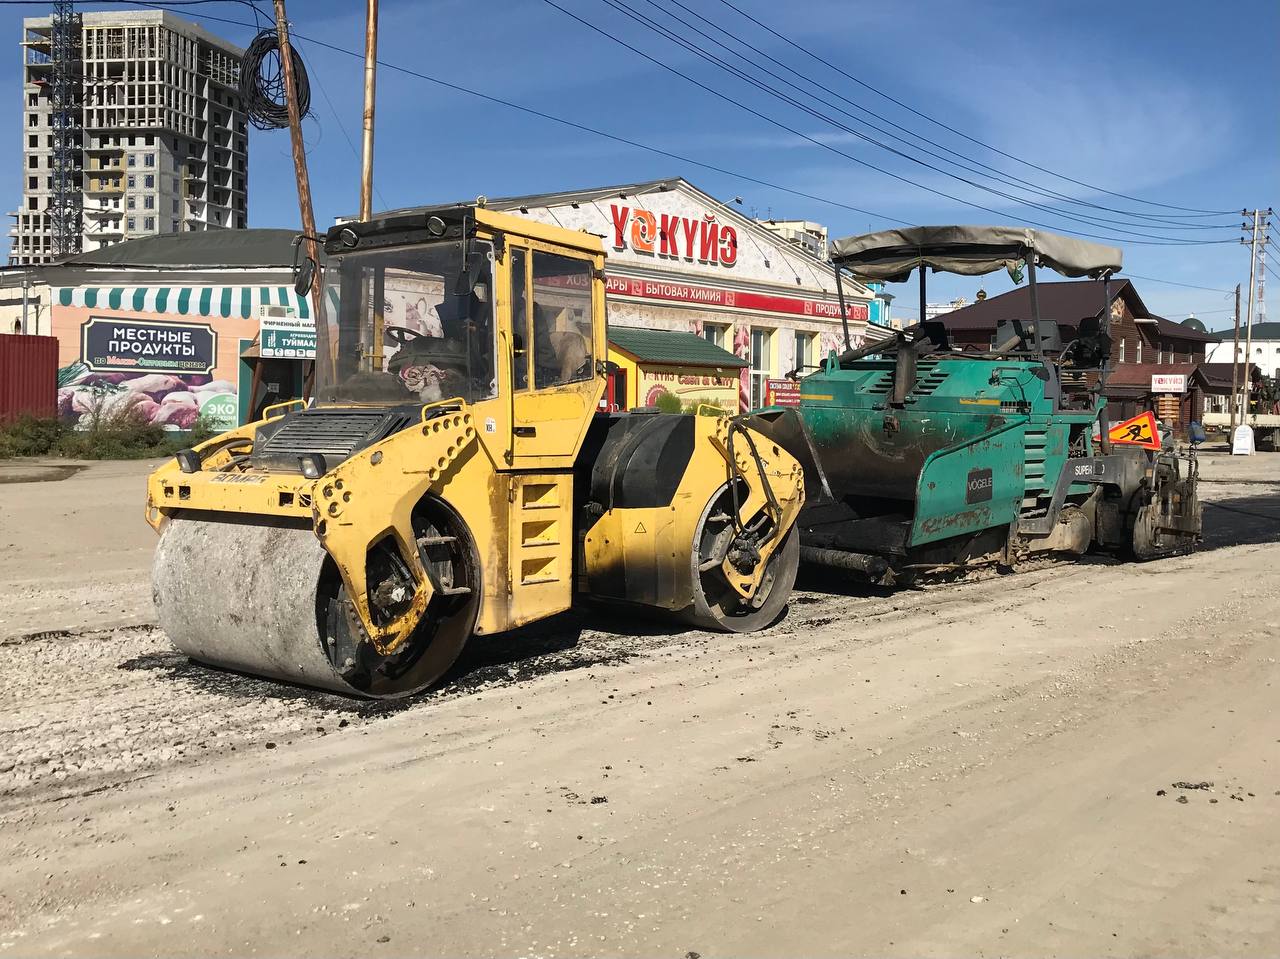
969 250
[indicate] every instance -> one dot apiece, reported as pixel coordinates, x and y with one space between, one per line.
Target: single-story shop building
172 324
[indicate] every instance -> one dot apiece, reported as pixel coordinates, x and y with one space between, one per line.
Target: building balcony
104 189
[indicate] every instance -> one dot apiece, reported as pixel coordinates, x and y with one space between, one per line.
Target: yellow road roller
451 475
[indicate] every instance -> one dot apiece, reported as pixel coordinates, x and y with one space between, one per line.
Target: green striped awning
245 302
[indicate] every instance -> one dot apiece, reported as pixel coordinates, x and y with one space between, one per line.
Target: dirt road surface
1076 760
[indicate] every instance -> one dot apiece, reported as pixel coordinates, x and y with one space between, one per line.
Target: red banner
734 299
782 393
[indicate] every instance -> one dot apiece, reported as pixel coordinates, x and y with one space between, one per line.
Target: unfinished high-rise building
132 126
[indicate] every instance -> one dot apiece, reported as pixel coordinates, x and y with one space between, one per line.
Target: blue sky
1158 100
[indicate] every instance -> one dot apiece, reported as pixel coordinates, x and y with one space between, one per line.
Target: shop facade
652 364
680 260
198 326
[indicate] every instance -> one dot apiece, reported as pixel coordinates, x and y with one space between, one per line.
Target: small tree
668 402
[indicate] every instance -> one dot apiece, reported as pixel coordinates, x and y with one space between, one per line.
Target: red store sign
733 299
674 237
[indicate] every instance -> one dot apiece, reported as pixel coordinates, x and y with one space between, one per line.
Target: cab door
557 336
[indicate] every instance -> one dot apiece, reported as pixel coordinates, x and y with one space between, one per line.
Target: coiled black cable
262 83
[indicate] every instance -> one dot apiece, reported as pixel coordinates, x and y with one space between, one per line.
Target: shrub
31 436
109 432
669 403
115 431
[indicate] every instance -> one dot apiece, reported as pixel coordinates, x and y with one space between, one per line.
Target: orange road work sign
1142 431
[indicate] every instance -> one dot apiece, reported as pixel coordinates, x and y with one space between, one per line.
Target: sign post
109 345
286 337
782 392
1141 430
1168 382
1242 441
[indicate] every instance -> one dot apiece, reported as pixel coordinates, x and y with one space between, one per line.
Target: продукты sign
109 345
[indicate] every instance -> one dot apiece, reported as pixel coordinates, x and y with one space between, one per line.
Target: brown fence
28 376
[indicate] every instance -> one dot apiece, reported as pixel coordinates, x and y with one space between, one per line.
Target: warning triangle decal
640 528
1142 431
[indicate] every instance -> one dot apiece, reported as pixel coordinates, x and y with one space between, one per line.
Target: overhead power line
865 163
963 161
573 124
1125 274
530 111
960 133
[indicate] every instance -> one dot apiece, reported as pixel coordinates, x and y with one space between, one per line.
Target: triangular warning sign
1142 431
640 528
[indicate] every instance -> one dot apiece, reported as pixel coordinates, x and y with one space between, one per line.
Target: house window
132 160
149 159
149 202
33 141
714 333
1121 360
151 223
804 350
133 181
761 348
149 182
130 223
1137 351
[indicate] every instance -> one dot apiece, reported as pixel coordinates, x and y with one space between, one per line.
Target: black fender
634 460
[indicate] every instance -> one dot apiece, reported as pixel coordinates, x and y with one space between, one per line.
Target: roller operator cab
924 456
452 475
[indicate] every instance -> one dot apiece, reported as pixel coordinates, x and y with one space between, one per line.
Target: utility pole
1259 225
370 84
304 182
1235 366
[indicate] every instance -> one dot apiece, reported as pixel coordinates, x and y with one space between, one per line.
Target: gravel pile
86 711
82 711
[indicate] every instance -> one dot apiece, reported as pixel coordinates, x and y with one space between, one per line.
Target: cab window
520 338
562 344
